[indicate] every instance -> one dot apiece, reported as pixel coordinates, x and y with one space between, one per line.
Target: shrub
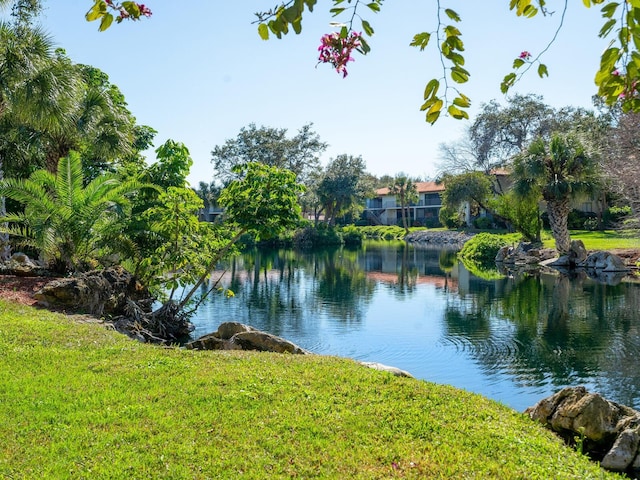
450 218
482 223
613 216
352 236
483 248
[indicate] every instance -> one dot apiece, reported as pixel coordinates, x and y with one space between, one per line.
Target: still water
515 340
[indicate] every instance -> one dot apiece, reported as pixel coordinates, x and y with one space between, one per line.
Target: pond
515 340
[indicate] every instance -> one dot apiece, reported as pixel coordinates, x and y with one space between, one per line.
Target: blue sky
197 72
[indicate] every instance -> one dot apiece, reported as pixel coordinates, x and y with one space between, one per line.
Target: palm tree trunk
558 217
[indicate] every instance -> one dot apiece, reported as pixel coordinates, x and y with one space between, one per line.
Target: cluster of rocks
600 265
524 254
238 336
21 265
606 431
439 238
98 292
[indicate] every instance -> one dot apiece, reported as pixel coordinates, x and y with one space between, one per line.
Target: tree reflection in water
533 331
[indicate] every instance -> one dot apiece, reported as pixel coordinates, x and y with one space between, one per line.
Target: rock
385 368
238 336
229 329
623 451
439 238
562 261
577 252
503 254
210 342
97 292
21 265
265 342
605 261
610 431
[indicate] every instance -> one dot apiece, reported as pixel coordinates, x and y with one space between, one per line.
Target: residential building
384 209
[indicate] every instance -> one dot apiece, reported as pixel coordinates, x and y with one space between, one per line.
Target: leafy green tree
556 171
404 188
344 187
272 147
64 220
263 200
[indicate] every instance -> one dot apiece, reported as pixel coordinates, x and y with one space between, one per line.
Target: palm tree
32 95
558 171
404 188
64 220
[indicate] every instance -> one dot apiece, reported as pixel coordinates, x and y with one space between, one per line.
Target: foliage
614 215
186 244
483 248
127 10
616 77
522 212
272 147
556 171
451 218
67 222
343 187
471 187
373 425
482 223
383 232
404 189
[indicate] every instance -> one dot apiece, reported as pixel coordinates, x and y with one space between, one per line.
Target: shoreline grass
80 401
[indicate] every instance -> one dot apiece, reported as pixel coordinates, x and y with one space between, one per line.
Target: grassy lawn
601 240
79 401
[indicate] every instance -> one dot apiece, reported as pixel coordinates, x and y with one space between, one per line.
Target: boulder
610 432
229 329
21 265
238 336
386 368
265 342
577 252
623 451
97 292
605 261
210 342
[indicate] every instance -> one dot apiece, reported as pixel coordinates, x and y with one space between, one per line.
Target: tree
404 188
557 171
343 187
621 163
31 97
66 222
272 147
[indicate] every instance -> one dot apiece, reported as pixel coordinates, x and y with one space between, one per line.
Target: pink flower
336 50
524 55
616 73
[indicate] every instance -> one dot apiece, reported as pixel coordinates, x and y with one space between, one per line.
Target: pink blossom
336 50
524 55
616 73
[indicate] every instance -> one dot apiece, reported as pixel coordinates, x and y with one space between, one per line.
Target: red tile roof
421 187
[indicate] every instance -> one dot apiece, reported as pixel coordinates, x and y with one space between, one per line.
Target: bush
613 216
352 236
317 236
482 223
450 218
591 224
483 248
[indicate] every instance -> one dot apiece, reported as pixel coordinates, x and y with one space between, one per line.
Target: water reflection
514 339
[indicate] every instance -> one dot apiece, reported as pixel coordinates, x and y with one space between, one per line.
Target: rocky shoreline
439 238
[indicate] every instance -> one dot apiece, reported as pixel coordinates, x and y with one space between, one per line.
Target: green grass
601 240
79 401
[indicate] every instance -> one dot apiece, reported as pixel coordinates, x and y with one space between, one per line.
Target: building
383 209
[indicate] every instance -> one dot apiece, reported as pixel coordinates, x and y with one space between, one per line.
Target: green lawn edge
81 401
